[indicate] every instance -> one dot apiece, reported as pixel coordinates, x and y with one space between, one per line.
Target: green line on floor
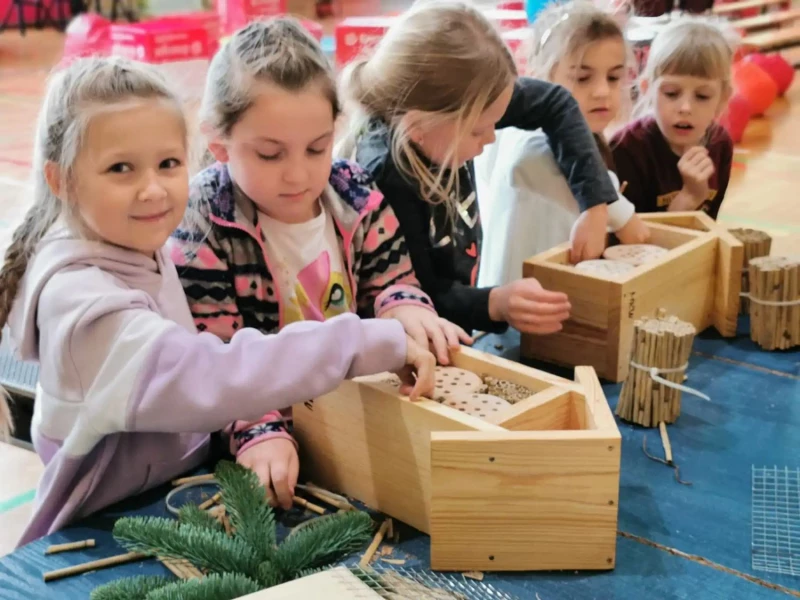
14 502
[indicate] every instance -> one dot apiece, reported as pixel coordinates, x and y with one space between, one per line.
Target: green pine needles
237 565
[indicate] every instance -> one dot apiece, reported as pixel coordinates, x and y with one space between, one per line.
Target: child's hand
423 325
276 463
528 307
696 168
633 232
418 377
589 234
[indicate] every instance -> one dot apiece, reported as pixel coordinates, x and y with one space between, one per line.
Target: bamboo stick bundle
756 244
665 343
775 302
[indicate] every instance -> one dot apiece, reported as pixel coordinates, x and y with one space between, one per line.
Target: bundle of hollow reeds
756 243
664 343
775 301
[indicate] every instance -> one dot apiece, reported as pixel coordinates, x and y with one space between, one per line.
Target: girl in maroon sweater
677 157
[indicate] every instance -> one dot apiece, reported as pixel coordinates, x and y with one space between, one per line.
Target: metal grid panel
416 584
776 520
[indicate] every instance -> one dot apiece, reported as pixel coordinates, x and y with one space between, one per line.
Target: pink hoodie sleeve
145 373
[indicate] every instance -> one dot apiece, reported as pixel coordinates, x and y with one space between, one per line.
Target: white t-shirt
526 204
308 267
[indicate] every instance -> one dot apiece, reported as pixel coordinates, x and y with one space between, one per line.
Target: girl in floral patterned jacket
284 234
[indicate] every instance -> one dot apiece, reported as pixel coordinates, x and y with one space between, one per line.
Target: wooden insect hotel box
697 279
508 469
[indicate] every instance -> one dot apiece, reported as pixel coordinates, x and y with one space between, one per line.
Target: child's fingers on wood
438 341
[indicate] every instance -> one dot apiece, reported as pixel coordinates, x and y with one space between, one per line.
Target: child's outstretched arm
141 372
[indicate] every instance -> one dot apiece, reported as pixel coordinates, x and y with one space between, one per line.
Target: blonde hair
442 58
278 51
73 97
562 29
690 46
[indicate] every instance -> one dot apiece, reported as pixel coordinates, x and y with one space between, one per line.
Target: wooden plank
524 501
590 331
598 412
548 410
685 219
730 262
374 446
773 40
770 19
728 8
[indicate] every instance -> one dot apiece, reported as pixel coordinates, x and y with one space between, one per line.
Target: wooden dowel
376 541
103 563
193 479
322 495
173 567
213 500
308 505
623 187
662 427
56 548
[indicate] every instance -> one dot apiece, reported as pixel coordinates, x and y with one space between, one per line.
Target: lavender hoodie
129 391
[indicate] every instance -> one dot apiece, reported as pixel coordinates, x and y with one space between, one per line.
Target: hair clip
549 30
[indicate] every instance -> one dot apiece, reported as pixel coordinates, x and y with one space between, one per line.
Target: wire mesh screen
413 584
776 520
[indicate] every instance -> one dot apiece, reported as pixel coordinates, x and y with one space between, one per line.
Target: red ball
736 116
754 85
775 66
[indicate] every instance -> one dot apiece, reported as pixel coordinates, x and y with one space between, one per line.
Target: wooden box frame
538 491
698 280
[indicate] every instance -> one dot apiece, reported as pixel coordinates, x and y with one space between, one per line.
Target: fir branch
322 542
130 588
269 575
212 550
245 499
212 587
190 514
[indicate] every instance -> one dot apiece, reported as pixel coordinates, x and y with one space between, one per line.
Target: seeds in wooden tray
507 390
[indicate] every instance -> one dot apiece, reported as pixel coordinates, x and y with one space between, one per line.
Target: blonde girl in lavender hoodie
129 391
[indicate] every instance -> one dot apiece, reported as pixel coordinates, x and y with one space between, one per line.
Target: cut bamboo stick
376 541
211 501
56 548
326 497
308 505
662 427
775 306
194 479
756 243
94 565
664 343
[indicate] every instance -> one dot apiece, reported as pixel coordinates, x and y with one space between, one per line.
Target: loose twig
664 462
55 549
111 561
376 541
195 479
211 501
308 505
